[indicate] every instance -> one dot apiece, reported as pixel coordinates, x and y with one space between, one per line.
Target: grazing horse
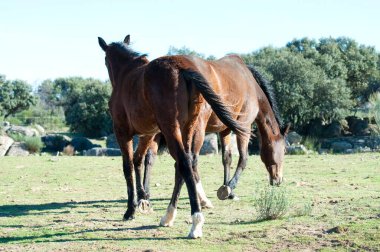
165 95
271 132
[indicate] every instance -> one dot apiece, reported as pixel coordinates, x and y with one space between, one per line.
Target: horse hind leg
196 147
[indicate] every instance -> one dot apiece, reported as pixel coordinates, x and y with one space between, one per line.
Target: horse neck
126 68
266 121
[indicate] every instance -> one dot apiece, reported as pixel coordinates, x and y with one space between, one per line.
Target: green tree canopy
15 96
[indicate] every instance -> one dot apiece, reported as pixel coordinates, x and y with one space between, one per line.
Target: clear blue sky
42 39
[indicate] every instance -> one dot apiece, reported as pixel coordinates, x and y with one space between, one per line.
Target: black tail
217 105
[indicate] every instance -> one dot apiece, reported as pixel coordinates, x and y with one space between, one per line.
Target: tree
15 96
86 108
342 58
187 51
303 89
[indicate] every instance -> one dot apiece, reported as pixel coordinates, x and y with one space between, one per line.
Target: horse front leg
242 144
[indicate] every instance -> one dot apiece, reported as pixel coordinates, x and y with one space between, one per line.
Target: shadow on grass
19 210
55 237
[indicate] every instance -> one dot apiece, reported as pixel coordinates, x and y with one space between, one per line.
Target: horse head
272 154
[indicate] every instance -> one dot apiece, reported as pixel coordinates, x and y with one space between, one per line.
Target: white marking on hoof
205 202
196 228
144 206
168 219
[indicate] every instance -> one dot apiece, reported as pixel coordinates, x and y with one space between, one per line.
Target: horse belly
214 124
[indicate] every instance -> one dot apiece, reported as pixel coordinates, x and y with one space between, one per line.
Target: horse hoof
128 216
223 192
144 206
233 197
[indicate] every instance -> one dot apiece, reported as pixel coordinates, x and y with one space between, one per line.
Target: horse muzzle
275 181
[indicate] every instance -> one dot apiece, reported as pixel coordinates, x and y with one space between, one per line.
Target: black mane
269 92
121 49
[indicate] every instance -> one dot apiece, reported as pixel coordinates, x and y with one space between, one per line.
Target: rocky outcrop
351 144
21 130
5 143
82 143
98 152
210 144
18 150
55 142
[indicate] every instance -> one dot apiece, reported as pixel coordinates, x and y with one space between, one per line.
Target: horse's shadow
63 207
40 209
58 236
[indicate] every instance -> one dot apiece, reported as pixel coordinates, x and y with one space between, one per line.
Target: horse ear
127 39
286 129
102 44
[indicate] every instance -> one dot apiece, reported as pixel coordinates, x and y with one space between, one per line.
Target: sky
48 39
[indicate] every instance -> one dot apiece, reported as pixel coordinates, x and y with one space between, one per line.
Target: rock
98 152
18 150
296 149
6 124
340 146
82 143
21 130
40 129
333 129
210 144
5 143
358 126
55 142
111 142
294 138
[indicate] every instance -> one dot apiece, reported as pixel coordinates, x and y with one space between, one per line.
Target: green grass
76 203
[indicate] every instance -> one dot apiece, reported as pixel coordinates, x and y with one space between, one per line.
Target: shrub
272 203
17 137
33 144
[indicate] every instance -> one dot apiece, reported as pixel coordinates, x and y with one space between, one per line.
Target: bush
33 144
272 203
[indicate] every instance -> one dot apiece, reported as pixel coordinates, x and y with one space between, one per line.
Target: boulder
358 126
82 143
5 143
210 144
333 129
111 142
21 130
340 146
294 138
18 150
40 129
296 149
98 152
55 142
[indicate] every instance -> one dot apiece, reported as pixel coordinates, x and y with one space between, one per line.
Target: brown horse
164 95
272 145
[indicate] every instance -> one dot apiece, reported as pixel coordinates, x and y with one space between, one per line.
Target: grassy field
77 203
